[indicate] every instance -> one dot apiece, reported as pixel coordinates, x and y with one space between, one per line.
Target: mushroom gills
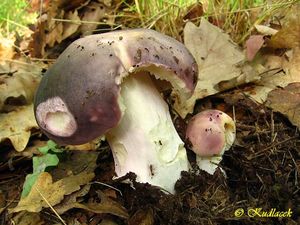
145 141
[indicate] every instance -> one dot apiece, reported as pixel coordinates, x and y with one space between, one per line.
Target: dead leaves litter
18 83
19 80
287 102
107 205
6 48
16 126
28 218
289 35
62 19
219 61
45 192
283 72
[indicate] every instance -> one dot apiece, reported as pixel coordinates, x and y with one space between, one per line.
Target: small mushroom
101 85
209 134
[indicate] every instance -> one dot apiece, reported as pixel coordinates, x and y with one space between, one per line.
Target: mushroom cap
210 133
78 98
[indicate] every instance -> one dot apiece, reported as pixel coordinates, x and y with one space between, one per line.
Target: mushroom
101 85
209 134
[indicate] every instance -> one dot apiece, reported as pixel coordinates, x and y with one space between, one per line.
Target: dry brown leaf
289 35
194 12
38 41
106 2
220 62
253 45
36 5
273 80
67 5
265 30
19 80
53 192
287 102
16 126
90 146
70 200
108 222
71 27
28 218
61 19
93 13
31 150
107 205
142 217
6 48
76 163
55 33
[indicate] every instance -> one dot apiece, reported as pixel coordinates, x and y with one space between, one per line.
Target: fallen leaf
107 205
90 146
142 217
220 62
282 72
287 102
93 13
72 5
106 2
6 48
37 5
70 201
76 162
289 35
19 79
253 45
194 12
28 218
16 126
265 30
31 150
71 27
53 192
37 44
39 164
55 33
108 222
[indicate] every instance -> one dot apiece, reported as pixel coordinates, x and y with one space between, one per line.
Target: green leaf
51 146
42 162
29 182
44 150
54 147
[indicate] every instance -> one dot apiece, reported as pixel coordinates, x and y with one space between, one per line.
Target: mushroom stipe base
145 141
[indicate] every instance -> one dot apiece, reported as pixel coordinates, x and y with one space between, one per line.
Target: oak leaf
45 191
16 126
220 62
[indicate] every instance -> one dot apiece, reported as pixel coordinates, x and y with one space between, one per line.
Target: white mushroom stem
146 142
209 164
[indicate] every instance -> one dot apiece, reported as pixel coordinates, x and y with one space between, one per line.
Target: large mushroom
100 85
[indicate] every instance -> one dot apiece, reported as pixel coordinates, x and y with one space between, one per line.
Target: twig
272 127
107 185
272 146
59 217
296 169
